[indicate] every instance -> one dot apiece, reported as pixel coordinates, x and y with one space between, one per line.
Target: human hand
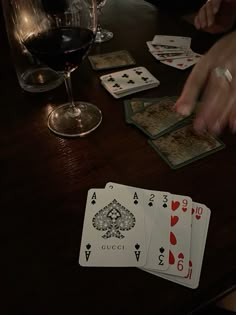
216 16
217 90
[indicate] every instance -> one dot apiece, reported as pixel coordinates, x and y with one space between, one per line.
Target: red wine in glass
62 49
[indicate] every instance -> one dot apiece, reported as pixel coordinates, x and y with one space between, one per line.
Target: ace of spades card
113 230
156 206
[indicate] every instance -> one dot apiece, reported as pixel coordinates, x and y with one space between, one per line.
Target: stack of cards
161 233
122 83
173 51
170 133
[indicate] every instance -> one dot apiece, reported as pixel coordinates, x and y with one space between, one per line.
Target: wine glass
60 34
102 35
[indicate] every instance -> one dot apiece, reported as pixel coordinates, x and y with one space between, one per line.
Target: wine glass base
103 36
74 122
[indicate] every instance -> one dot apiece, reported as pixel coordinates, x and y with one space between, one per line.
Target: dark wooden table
45 179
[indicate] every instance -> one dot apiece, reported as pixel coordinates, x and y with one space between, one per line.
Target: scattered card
115 59
157 118
183 146
136 105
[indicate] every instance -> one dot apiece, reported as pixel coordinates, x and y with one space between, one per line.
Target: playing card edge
199 157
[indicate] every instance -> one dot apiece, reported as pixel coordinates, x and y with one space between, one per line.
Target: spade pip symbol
87 251
137 251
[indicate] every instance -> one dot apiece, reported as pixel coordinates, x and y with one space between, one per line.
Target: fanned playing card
123 83
158 250
182 63
148 202
173 51
180 235
161 233
183 146
172 41
172 55
157 217
163 48
200 222
113 230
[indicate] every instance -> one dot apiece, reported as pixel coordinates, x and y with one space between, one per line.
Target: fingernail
183 110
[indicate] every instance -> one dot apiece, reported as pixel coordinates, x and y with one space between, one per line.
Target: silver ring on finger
223 73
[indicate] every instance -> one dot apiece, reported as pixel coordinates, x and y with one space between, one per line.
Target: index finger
216 5
193 87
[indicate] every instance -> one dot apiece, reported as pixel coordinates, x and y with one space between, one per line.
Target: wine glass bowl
60 35
102 35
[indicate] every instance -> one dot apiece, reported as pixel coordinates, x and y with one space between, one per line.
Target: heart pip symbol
173 240
175 205
174 219
171 258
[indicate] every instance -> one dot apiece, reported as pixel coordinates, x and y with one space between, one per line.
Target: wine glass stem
69 89
75 111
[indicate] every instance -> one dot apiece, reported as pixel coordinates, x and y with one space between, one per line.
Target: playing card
135 105
180 235
172 55
176 41
156 206
158 250
149 212
132 107
163 48
200 222
114 229
183 146
115 59
182 63
129 81
157 118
